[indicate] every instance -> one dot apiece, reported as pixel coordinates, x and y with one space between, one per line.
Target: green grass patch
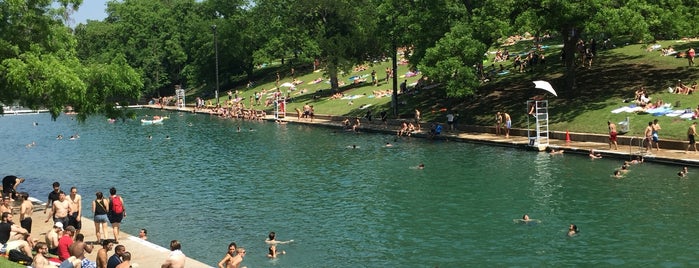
616 74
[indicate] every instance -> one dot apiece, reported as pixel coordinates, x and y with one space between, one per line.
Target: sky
90 10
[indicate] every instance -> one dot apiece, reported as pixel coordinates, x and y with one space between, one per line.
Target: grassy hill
615 75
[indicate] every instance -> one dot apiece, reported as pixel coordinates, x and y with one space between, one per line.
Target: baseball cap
59 225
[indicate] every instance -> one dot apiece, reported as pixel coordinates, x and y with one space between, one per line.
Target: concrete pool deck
671 152
144 254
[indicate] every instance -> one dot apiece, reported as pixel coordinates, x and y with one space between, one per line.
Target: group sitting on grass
681 88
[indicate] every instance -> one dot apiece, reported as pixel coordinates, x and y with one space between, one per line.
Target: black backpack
19 257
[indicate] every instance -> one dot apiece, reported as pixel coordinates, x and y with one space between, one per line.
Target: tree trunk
394 66
332 72
570 37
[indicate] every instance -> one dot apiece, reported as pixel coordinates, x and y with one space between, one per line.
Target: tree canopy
147 47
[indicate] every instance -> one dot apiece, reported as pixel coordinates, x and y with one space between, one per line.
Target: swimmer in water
624 168
421 166
554 152
638 160
573 230
30 145
167 137
59 137
526 220
683 172
353 146
593 155
272 242
618 174
388 144
150 137
238 129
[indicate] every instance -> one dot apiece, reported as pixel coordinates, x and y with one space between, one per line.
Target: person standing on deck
117 212
508 125
612 135
691 133
648 133
656 138
76 207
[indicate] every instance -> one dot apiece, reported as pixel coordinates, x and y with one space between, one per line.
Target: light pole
213 27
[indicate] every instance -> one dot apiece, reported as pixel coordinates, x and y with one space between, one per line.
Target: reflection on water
209 185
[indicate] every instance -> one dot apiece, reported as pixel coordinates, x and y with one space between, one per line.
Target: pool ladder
641 150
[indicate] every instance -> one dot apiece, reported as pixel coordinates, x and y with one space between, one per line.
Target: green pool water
210 184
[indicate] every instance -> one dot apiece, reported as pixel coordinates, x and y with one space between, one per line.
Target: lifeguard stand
539 112
179 92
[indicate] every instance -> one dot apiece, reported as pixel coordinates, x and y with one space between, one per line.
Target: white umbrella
545 86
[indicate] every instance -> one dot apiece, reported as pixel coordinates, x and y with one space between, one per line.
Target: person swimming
388 144
618 174
573 230
594 155
554 152
683 172
421 166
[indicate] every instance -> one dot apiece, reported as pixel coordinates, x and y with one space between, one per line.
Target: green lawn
5 263
615 75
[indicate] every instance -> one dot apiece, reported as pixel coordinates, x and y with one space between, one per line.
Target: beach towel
365 106
352 97
687 115
619 110
504 72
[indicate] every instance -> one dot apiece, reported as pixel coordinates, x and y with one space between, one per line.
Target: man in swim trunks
691 133
648 133
656 127
612 135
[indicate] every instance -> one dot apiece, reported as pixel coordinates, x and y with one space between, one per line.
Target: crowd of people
65 246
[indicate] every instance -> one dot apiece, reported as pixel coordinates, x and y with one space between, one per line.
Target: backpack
19 257
116 205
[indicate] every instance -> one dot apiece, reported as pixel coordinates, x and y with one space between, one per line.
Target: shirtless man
107 245
76 206
612 135
691 133
25 212
6 205
649 136
498 123
60 210
79 247
654 133
52 237
40 259
508 125
176 258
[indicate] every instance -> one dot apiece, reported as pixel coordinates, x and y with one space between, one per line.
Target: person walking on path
656 138
508 125
612 135
691 133
117 212
100 208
